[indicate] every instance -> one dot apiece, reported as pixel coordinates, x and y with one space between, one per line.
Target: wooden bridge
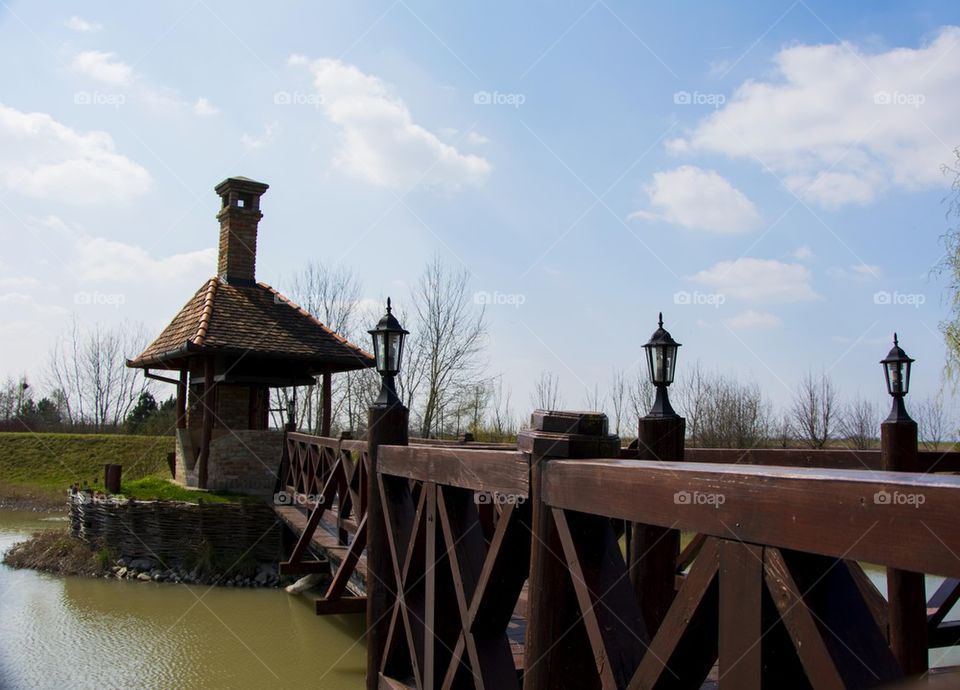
557 563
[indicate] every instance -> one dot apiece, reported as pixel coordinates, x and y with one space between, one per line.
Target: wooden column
906 591
558 652
327 403
653 550
182 399
208 401
387 425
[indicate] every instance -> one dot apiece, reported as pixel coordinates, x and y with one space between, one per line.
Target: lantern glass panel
394 349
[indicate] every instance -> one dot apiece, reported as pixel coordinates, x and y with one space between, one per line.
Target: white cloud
44 159
102 260
82 25
861 272
104 67
841 125
700 199
803 253
759 280
477 138
380 143
205 107
270 130
753 320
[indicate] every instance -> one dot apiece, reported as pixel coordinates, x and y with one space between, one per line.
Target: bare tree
88 365
641 395
814 410
859 424
449 338
501 415
594 400
783 431
618 398
691 392
932 422
546 392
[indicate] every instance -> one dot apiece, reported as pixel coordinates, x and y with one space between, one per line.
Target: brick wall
244 461
233 407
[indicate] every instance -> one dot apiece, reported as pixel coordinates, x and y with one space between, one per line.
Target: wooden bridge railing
323 496
773 595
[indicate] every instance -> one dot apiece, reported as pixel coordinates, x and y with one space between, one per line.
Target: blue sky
766 174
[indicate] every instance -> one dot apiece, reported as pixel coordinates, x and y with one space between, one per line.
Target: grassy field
36 469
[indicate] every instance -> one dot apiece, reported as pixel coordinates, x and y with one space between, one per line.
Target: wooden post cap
569 435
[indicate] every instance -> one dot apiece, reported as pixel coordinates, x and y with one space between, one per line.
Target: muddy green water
58 632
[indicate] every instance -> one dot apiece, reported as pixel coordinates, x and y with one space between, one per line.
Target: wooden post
558 653
111 477
906 591
182 399
208 400
327 403
653 550
386 425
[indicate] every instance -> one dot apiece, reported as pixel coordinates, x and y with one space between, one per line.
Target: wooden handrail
896 519
500 471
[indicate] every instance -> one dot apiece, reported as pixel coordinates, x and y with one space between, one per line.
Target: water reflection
87 633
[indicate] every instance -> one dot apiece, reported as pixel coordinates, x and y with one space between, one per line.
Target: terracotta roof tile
230 318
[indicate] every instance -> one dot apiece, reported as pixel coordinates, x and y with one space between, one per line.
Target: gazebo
232 342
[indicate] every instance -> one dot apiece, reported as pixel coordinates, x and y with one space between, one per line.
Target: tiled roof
231 318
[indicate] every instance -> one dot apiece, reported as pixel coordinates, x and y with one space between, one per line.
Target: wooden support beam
209 401
182 399
326 395
905 589
341 606
741 590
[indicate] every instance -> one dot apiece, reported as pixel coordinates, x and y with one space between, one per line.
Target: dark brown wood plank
944 599
741 590
341 606
505 472
341 578
609 610
810 647
685 646
833 512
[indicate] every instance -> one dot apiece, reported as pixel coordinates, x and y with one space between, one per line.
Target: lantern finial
388 305
661 320
895 341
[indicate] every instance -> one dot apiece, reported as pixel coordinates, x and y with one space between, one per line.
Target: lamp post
387 425
653 550
661 365
388 339
906 592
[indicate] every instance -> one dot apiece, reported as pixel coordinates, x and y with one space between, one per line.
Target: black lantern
661 364
387 353
896 369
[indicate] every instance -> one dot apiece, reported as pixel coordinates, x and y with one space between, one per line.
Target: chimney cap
241 184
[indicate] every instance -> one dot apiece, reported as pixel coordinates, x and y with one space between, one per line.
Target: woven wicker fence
168 531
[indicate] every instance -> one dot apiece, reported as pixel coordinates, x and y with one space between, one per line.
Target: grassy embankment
36 469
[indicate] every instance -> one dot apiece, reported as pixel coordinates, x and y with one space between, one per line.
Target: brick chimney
239 216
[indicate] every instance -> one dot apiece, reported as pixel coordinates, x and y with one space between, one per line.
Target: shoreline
25 500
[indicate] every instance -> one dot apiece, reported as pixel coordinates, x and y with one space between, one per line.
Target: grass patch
159 489
47 464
